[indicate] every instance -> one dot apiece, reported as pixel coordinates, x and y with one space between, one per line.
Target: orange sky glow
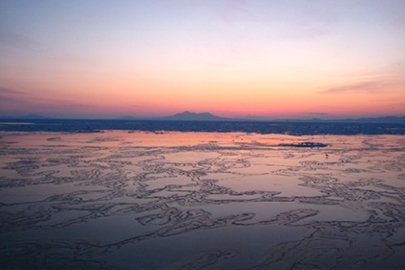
267 59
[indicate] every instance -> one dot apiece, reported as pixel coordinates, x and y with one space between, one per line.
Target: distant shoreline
261 127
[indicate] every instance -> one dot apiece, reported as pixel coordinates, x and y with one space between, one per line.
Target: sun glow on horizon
231 58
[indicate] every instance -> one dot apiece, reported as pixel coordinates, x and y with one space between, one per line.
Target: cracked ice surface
174 200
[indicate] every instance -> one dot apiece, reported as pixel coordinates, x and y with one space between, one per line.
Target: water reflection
172 200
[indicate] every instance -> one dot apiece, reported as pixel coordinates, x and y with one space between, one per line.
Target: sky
233 58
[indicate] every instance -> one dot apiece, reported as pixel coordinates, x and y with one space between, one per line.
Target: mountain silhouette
191 116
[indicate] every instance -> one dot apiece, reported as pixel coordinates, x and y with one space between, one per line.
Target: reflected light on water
173 200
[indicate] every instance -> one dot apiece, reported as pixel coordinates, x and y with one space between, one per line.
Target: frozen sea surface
173 200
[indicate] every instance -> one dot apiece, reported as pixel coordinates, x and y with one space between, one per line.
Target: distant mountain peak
192 116
193 113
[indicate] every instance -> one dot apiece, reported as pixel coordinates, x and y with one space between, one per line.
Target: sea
109 194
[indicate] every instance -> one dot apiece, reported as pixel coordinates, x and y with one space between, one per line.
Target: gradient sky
266 58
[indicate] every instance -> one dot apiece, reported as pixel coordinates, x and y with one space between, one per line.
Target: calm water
173 200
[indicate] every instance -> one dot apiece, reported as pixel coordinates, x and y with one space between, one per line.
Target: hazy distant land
207 116
207 122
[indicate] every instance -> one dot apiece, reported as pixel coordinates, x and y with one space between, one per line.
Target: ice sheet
173 200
